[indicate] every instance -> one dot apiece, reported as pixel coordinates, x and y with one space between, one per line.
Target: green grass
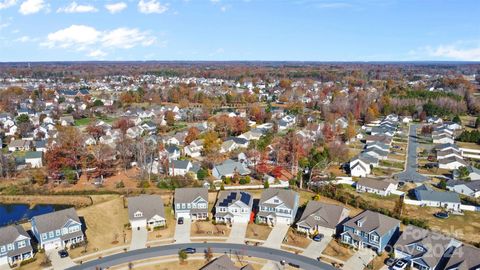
88 120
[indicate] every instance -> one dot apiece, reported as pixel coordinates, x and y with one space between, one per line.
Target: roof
433 245
10 233
229 166
410 176
287 196
473 185
375 183
322 214
452 159
33 154
426 193
224 263
226 198
149 205
373 221
55 220
180 164
188 195
464 257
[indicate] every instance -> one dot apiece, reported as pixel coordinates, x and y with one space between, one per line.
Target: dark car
180 220
318 237
190 250
441 215
389 261
63 253
294 265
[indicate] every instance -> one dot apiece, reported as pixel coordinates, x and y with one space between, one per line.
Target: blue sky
304 30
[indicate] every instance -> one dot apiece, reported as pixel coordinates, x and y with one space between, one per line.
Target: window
420 248
138 214
10 247
357 232
374 238
65 230
183 206
50 234
194 205
346 238
44 236
3 249
178 206
21 244
189 206
57 232
276 201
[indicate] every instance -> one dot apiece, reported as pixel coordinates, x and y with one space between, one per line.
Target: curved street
227 248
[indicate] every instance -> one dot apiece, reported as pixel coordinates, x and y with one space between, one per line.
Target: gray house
321 218
278 206
370 230
146 211
429 197
424 249
468 188
229 168
58 229
191 203
14 245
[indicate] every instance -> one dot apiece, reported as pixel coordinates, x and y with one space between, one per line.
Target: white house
375 186
146 211
278 206
451 163
233 206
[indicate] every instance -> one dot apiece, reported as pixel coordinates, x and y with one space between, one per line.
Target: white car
400 265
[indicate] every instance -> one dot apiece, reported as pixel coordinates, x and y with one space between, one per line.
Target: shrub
120 184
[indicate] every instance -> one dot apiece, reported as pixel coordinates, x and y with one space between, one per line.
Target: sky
240 30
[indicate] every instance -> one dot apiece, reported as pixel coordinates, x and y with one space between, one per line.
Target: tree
350 132
456 119
192 135
477 122
23 118
95 131
182 256
266 184
463 173
210 142
170 118
202 174
98 103
208 254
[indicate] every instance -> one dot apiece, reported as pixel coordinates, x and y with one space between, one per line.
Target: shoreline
76 201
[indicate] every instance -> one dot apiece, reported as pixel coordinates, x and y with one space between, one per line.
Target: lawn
296 239
468 145
258 231
339 251
88 120
207 228
378 262
168 231
104 226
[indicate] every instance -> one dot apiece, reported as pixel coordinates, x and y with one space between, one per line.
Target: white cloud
97 54
78 36
23 39
32 6
127 38
116 7
97 43
151 6
7 3
73 7
455 52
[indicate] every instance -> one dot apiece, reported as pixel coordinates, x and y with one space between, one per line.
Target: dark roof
226 198
373 221
425 193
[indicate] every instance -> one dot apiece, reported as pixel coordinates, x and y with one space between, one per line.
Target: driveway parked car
63 253
180 220
318 237
390 262
400 265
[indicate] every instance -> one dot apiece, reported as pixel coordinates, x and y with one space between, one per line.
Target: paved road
227 248
410 173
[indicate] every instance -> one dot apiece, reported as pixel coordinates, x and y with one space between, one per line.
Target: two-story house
424 249
14 245
233 206
58 229
191 203
319 217
146 211
278 206
370 230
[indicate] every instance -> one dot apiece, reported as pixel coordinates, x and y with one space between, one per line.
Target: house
228 146
146 211
191 203
34 158
224 263
377 145
172 151
278 206
40 146
473 173
179 167
228 169
15 245
406 119
58 229
434 120
452 125
451 163
424 249
376 153
319 217
446 146
375 186
464 257
449 153
467 188
194 149
233 206
253 134
341 122
67 120
370 230
429 197
19 145
360 165
442 138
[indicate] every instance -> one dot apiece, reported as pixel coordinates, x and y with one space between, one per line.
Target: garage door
138 223
283 220
3 260
52 245
184 215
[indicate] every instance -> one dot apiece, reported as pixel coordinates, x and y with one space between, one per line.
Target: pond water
11 213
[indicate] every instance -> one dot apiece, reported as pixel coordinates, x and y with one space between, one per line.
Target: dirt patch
378 262
77 201
339 251
258 231
207 228
296 239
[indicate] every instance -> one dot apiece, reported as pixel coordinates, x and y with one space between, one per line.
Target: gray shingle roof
373 221
374 183
224 263
287 196
10 233
149 205
464 258
188 195
229 166
55 220
322 214
425 193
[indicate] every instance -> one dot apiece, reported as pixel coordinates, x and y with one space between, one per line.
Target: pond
11 213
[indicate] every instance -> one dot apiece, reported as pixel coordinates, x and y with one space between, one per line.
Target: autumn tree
170 118
210 142
192 135
95 131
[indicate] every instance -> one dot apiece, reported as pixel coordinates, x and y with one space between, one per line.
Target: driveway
276 236
316 248
139 238
360 259
57 262
4 267
237 234
182 232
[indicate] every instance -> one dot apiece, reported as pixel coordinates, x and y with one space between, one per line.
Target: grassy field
257 231
207 228
88 120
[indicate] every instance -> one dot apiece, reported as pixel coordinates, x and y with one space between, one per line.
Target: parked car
180 221
400 265
390 262
190 250
283 262
318 237
63 253
294 265
441 215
